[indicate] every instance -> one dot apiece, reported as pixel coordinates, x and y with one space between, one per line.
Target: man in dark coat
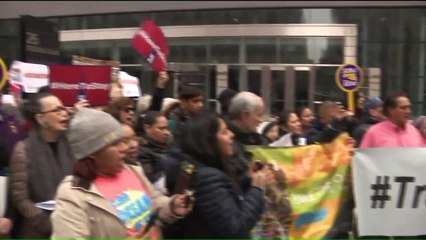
373 113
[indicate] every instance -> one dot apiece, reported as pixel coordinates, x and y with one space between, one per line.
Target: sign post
349 78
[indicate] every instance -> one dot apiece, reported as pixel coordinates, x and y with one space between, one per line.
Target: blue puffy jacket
221 210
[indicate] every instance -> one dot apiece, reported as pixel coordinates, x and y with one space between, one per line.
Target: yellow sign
349 78
3 74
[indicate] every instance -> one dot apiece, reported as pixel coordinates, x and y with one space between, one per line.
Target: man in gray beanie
90 130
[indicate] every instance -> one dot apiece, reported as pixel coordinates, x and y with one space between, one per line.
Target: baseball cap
372 103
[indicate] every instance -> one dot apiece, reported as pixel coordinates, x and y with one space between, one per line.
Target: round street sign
349 77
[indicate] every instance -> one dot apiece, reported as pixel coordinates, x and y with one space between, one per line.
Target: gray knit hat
90 130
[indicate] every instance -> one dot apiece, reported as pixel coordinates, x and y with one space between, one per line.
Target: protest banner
150 42
68 81
115 72
389 186
130 85
28 77
317 184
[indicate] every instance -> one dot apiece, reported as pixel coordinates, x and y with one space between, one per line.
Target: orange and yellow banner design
317 183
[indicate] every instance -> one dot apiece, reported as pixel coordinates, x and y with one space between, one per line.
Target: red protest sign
152 45
69 81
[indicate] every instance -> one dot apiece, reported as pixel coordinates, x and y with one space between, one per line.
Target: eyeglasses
56 110
129 109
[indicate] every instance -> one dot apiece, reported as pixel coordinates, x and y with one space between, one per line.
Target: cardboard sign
28 76
68 81
130 85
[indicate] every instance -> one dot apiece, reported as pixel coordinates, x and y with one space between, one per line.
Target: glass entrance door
284 87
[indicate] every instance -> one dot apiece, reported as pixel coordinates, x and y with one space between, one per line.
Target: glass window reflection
224 50
261 50
190 50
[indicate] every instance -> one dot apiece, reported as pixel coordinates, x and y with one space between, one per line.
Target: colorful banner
69 81
316 178
152 45
389 186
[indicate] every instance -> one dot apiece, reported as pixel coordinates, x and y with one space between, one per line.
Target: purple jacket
11 132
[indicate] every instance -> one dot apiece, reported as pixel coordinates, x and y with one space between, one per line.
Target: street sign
349 78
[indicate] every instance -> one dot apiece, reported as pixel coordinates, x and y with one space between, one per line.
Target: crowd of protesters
175 171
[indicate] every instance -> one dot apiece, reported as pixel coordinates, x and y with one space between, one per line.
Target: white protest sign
8 99
3 195
390 191
30 76
130 85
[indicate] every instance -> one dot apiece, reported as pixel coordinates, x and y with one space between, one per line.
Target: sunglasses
56 110
129 109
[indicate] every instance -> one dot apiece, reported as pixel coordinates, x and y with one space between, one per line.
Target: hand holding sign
162 79
152 45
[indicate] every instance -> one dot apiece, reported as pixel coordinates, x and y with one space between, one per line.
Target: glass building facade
392 39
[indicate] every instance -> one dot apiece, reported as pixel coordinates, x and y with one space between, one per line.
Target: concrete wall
13 9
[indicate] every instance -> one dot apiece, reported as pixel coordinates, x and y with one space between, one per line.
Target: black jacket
221 210
242 157
151 155
366 121
176 122
319 132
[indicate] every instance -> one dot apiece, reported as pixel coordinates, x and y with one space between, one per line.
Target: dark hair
151 117
85 168
268 127
44 89
33 106
187 92
117 105
283 117
391 101
225 98
198 139
148 118
300 110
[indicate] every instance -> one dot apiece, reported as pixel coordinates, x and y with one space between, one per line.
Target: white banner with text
390 191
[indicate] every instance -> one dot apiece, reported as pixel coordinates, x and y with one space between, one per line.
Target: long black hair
199 140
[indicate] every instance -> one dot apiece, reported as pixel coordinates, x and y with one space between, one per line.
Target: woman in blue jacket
222 208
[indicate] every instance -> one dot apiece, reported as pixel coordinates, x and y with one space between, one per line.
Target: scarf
45 170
